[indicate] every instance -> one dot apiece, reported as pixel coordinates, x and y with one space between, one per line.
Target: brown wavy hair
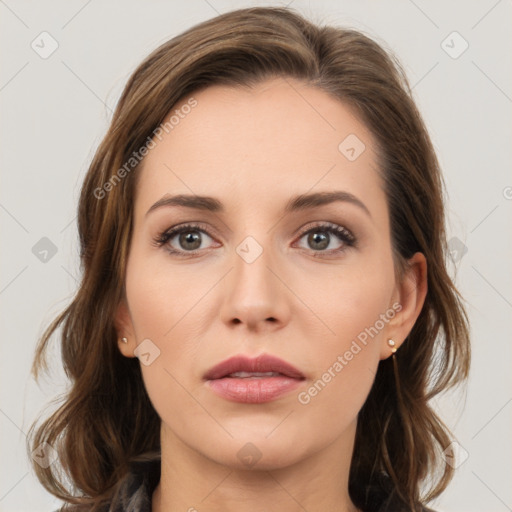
106 421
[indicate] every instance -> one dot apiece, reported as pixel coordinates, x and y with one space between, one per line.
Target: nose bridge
254 294
252 261
251 276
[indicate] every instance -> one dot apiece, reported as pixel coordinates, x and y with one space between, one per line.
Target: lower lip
253 390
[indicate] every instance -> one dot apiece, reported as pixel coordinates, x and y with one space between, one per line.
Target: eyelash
348 239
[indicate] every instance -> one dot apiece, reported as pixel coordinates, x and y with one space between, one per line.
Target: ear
124 329
410 294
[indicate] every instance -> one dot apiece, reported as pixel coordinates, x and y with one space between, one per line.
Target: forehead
279 137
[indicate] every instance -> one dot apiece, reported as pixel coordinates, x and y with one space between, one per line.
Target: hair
106 420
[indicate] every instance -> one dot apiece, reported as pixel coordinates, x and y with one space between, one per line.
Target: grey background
54 111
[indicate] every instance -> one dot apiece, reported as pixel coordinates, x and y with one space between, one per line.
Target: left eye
319 238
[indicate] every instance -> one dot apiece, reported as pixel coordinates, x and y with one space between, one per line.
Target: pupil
191 237
321 239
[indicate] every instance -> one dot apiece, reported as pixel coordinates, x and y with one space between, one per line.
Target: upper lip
262 363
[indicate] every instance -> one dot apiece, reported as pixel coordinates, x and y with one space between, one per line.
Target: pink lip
255 389
262 363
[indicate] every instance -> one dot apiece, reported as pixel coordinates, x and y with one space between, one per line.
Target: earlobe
125 347
124 330
392 345
411 292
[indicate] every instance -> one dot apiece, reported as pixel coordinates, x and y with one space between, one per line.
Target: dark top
136 492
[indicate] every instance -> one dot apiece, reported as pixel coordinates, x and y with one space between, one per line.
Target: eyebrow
297 203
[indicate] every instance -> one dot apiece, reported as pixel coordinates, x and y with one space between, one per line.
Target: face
257 272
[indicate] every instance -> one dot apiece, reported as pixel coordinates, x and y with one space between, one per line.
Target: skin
253 149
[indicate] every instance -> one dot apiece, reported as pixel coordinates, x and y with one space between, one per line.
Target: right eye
183 240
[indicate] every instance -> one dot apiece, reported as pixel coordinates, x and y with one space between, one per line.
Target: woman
265 311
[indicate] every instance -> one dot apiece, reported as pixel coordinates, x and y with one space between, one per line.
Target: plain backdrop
63 66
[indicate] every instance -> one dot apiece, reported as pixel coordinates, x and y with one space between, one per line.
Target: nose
255 295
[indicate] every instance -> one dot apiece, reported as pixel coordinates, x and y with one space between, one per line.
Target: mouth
253 380
252 375
263 366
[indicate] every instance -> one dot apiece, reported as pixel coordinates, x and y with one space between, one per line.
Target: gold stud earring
391 343
124 340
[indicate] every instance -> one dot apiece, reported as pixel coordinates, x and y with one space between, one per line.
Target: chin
255 452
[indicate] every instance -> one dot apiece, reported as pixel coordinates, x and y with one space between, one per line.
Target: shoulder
133 493
381 496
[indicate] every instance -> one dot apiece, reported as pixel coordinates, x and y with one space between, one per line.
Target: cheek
345 362
349 303
160 295
353 310
163 307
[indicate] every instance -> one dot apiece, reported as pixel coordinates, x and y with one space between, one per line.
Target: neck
192 482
